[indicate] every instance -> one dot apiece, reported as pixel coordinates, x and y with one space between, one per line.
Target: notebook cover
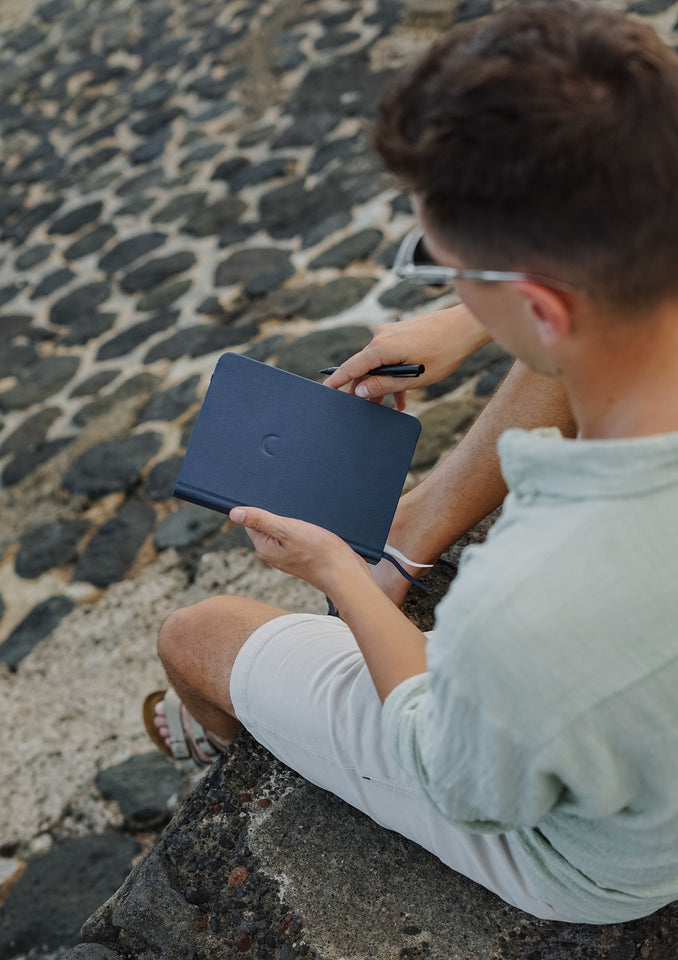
268 438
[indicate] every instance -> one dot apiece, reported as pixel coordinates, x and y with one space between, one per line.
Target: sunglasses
413 262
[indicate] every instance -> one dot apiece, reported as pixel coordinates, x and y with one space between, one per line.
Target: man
530 740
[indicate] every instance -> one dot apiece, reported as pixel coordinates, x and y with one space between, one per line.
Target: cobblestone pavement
175 181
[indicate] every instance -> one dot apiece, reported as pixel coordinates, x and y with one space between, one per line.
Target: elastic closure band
403 572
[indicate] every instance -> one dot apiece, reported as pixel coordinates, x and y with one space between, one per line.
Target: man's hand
297 547
439 340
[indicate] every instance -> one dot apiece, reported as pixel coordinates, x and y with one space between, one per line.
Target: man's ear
550 310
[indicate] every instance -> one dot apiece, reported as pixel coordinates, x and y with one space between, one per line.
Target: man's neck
625 383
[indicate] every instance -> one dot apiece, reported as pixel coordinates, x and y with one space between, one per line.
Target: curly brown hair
545 138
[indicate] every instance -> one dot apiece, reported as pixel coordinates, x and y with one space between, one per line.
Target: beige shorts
301 687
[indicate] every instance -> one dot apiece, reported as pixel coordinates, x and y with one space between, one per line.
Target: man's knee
216 626
173 635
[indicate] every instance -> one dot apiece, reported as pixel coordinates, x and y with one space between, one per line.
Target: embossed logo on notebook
268 444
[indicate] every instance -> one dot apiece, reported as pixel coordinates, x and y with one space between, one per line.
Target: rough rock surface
175 181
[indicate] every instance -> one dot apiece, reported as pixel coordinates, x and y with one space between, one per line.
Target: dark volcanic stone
188 525
68 884
199 340
34 628
111 551
137 185
336 150
252 265
492 377
279 305
236 233
291 210
81 302
156 915
200 154
141 383
308 355
357 247
34 256
270 169
164 295
129 339
187 430
155 121
31 432
28 38
86 328
405 295
229 168
335 19
318 232
253 137
16 357
94 161
111 466
7 294
171 403
215 218
347 83
187 206
152 96
307 130
266 348
136 207
289 59
211 307
648 8
26 461
90 243
208 88
127 251
14 325
143 787
339 38
75 219
473 9
402 204
160 481
95 383
39 381
48 11
49 545
337 295
92 951
50 283
151 149
216 109
157 271
263 283
101 133
34 216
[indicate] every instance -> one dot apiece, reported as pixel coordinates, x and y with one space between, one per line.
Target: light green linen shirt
550 709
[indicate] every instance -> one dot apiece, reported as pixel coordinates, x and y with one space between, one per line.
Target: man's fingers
375 388
357 366
256 519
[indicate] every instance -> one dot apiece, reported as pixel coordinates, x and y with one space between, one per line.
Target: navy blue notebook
268 438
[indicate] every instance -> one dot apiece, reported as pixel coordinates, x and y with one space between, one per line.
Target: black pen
389 370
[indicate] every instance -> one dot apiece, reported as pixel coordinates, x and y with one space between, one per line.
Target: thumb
252 517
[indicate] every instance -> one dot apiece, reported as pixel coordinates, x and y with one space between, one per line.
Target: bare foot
160 721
